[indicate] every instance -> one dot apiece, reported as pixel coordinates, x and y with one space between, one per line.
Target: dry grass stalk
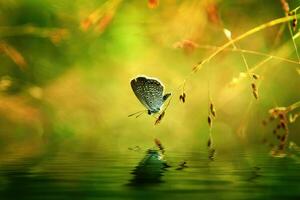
242 36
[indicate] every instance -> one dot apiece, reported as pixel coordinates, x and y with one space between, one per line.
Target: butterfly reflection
150 92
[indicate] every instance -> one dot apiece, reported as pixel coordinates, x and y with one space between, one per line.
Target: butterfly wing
149 91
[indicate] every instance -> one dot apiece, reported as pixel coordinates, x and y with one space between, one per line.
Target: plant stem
246 34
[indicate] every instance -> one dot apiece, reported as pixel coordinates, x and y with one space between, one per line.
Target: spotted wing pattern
149 91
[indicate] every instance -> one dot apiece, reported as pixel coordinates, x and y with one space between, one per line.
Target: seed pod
255 76
255 94
283 125
211 154
212 110
209 143
159 118
278 126
294 23
182 97
278 137
209 121
280 115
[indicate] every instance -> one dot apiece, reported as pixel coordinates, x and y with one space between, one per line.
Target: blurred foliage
66 67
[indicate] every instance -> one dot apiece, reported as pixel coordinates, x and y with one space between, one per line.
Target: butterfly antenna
139 113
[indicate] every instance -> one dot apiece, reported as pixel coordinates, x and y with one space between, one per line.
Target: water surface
94 175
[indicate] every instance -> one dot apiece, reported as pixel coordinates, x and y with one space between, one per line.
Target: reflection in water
150 169
255 173
94 175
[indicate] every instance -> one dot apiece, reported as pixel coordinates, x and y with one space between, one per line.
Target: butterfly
150 92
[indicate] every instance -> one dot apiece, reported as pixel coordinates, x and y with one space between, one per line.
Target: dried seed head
254 90
278 137
211 154
159 118
294 22
209 121
212 110
255 94
283 125
255 76
281 116
209 143
278 126
253 86
182 97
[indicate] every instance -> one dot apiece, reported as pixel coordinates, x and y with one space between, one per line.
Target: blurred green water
92 175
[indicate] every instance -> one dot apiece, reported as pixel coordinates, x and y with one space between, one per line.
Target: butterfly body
149 92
